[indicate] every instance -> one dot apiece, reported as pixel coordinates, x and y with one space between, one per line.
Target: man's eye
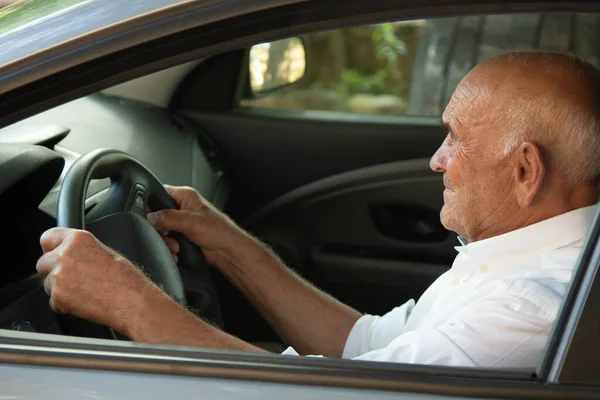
451 138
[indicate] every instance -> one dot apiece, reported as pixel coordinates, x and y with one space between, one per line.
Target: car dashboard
174 149
169 146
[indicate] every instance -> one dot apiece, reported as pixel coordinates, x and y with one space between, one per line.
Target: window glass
412 67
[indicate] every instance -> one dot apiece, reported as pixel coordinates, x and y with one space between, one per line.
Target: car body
357 214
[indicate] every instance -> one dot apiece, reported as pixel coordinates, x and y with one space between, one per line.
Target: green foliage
387 45
388 48
353 81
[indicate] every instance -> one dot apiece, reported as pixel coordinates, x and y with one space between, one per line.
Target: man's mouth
447 185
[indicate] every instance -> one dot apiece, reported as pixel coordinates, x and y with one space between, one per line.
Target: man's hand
87 279
200 222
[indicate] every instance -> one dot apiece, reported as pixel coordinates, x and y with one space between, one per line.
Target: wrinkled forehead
471 101
488 92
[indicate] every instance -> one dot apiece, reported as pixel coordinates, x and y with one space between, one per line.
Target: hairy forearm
158 319
308 319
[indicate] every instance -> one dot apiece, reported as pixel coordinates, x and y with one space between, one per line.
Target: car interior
340 190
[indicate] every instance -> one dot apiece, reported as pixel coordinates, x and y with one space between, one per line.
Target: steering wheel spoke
120 198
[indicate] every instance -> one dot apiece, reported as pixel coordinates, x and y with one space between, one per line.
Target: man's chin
447 218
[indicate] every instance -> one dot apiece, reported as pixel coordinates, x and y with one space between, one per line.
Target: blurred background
408 67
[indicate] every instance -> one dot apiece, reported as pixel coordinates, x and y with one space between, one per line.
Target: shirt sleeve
372 332
508 330
290 351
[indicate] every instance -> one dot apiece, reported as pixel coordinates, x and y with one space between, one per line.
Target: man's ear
529 173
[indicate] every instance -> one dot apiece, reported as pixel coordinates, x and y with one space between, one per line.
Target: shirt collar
463 241
549 234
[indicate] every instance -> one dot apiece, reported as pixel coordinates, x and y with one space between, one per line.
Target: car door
333 171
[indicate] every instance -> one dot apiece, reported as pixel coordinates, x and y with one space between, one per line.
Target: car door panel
333 224
271 152
45 383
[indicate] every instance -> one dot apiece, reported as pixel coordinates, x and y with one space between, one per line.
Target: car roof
42 31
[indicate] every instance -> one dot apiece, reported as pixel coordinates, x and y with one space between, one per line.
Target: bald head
523 143
551 99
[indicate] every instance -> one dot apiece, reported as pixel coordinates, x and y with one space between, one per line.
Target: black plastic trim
383 254
347 180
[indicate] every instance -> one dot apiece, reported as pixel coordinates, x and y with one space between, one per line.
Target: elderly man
520 167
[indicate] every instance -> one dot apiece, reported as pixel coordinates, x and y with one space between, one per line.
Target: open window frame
71 70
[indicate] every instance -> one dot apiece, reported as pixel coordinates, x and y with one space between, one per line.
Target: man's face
476 178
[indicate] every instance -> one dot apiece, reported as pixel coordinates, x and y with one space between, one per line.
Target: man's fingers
176 193
54 305
172 244
171 220
53 238
48 286
46 264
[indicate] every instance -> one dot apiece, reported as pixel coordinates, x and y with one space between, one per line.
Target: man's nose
438 160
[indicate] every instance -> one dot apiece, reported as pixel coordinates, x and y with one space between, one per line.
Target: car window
412 67
396 68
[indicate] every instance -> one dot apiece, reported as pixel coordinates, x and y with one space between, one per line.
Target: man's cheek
454 169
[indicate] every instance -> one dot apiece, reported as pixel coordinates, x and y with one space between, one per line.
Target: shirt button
484 268
455 281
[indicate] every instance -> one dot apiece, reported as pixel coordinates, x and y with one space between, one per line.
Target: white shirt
494 308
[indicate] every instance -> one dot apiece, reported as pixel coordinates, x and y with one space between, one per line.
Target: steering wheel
119 221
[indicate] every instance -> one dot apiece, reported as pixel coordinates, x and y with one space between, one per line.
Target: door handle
408 222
